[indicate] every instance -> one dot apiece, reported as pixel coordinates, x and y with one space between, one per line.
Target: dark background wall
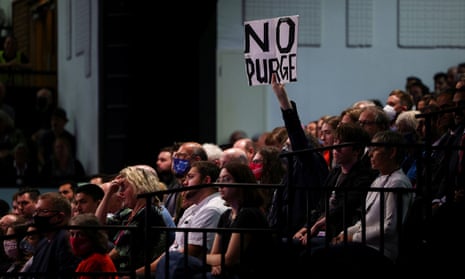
157 79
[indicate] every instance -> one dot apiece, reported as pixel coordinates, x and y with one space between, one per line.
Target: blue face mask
181 166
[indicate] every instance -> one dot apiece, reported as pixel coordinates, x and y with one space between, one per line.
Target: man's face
84 203
26 206
66 191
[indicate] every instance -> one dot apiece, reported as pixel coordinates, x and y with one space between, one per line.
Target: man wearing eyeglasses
372 119
53 257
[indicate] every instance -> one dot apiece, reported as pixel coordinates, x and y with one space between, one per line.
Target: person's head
247 145
116 201
236 135
445 121
349 133
327 130
100 178
373 119
388 153
86 241
267 166
440 82
62 148
233 154
165 160
187 153
277 137
44 99
350 115
52 211
242 196
397 102
27 199
214 152
134 181
407 125
201 172
87 198
31 240
58 120
7 220
68 189
11 246
452 76
312 128
14 204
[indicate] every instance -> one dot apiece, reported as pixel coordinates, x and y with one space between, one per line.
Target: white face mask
10 248
389 110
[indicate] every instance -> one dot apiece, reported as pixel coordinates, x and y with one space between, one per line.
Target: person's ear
207 180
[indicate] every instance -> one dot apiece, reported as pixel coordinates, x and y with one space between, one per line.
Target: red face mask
257 169
81 246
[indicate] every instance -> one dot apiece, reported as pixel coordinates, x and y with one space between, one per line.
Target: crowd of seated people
343 191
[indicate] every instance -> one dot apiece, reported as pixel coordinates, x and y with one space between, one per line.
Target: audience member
187 153
46 142
233 154
129 255
358 247
12 248
19 169
164 166
27 199
67 188
10 136
214 152
349 174
30 243
204 212
234 254
248 254
247 145
53 258
306 173
13 62
5 222
62 165
268 168
87 198
91 245
41 117
373 119
327 138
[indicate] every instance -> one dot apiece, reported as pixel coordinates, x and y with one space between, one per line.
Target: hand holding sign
271 47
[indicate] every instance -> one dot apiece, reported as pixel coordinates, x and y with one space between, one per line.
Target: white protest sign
271 47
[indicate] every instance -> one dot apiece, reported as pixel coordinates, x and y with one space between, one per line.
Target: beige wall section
239 106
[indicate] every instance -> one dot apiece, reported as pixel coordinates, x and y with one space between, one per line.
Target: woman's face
227 193
127 193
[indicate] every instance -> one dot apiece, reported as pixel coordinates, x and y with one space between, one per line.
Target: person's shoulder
399 180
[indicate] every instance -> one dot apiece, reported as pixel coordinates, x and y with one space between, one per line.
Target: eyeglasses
45 211
366 122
